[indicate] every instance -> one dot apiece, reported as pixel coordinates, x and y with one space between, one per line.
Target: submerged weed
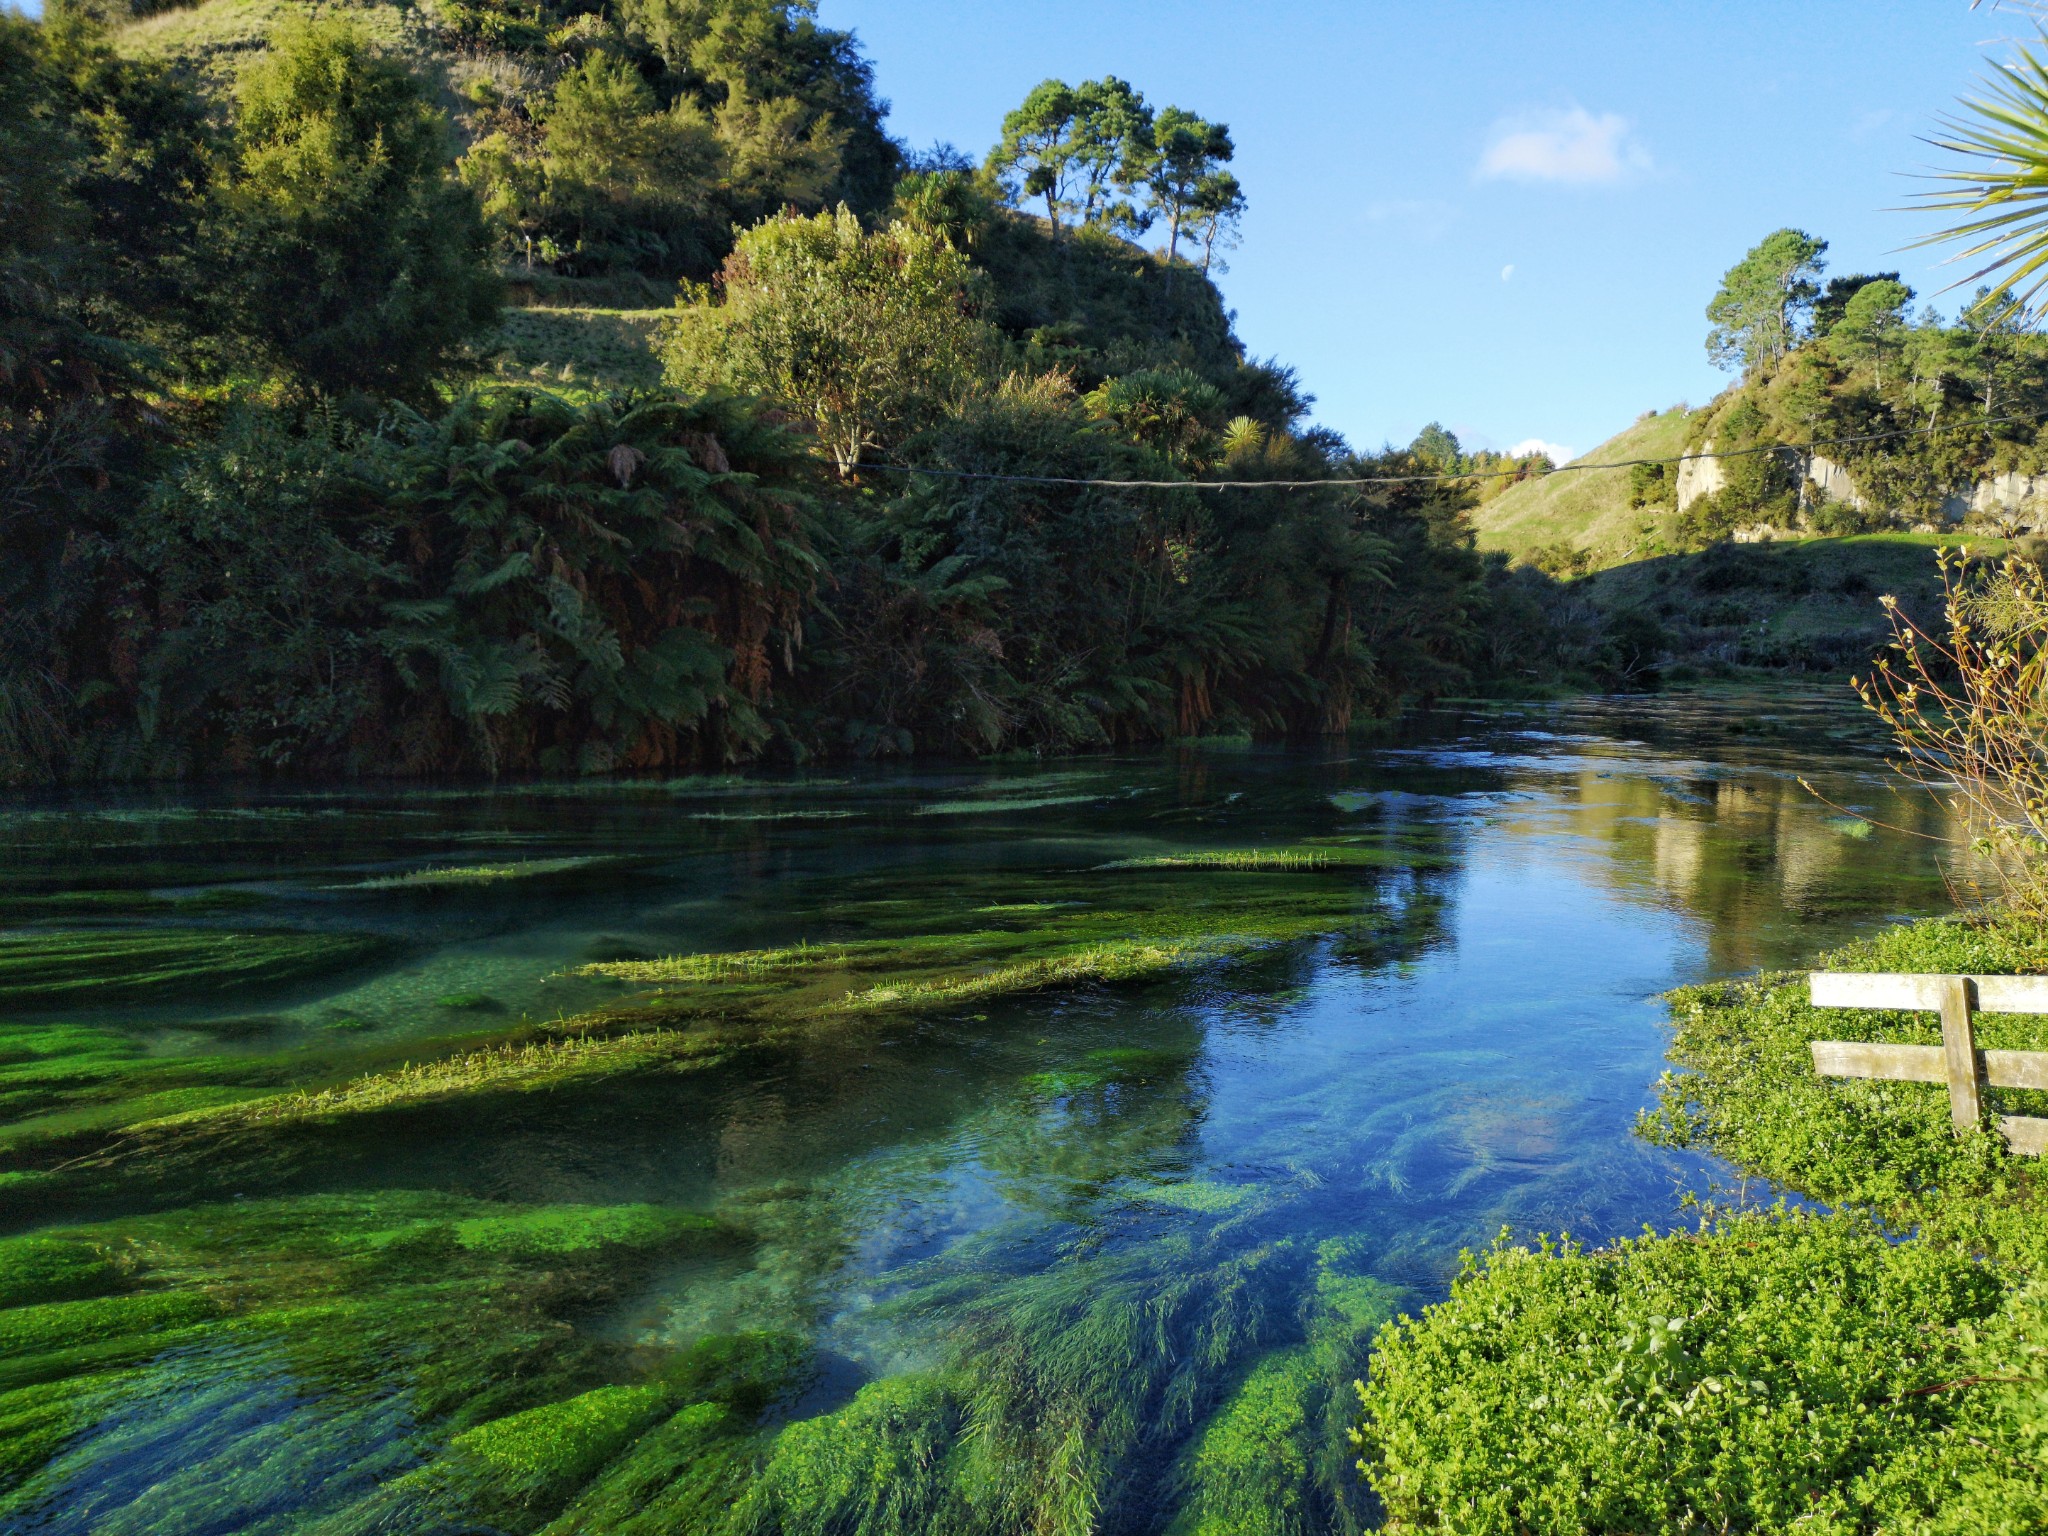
496 1068
94 967
1290 859
734 965
458 875
1131 961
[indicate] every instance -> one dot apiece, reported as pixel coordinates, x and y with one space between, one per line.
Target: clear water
1546 873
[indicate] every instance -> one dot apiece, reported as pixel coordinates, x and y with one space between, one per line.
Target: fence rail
1956 1061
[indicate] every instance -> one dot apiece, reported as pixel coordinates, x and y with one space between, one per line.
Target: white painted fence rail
1956 1061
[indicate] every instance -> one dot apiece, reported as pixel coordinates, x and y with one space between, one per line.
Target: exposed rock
1699 477
1833 482
2010 492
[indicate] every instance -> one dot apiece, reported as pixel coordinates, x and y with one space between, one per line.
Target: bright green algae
88 968
1044 1395
1092 927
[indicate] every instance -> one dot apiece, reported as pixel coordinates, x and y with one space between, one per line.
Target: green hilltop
1588 510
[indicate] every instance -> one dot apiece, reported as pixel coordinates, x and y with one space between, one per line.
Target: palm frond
2000 186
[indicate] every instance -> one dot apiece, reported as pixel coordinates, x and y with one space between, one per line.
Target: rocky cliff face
1833 482
1699 477
2011 492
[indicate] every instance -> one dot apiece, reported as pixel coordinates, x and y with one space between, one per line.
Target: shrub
1770 1372
1968 714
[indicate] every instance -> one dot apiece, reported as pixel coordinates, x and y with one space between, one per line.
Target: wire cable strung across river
1440 479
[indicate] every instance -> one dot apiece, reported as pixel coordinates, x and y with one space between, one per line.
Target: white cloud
1507 271
1573 147
1559 454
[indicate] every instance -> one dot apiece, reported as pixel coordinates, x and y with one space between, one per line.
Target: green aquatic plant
458 1326
69 1085
884 1465
1131 961
537 1458
529 1065
1003 805
462 875
95 967
1137 925
732 965
1235 858
1075 1386
1021 1403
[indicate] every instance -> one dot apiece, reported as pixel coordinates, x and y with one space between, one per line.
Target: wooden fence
1956 1061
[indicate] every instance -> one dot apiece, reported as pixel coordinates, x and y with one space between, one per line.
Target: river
1096 1245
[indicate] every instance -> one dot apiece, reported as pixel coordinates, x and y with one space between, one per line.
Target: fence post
1959 1048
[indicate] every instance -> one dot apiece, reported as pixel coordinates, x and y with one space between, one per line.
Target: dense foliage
1758 1375
1852 413
260 515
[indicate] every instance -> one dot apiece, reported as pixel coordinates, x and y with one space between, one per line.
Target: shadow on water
1069 1256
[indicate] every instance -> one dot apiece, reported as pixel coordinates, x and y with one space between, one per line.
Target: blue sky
1505 216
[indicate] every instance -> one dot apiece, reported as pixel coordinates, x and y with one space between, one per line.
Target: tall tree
1833 300
362 264
1873 324
1761 310
1219 206
1111 126
1183 152
1036 155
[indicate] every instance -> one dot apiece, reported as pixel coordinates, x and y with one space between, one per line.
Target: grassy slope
602 346
1589 510
1811 602
217 33
566 345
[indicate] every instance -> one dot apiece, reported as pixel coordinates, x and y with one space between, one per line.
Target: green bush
1754 1375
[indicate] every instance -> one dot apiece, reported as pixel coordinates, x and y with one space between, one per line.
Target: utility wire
1440 479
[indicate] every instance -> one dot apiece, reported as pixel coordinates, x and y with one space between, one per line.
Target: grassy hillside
602 347
1587 510
215 34
1808 604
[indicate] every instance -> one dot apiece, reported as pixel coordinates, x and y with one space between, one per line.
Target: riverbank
1776 1368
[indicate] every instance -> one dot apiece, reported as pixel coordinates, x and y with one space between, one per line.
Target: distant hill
1587 510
